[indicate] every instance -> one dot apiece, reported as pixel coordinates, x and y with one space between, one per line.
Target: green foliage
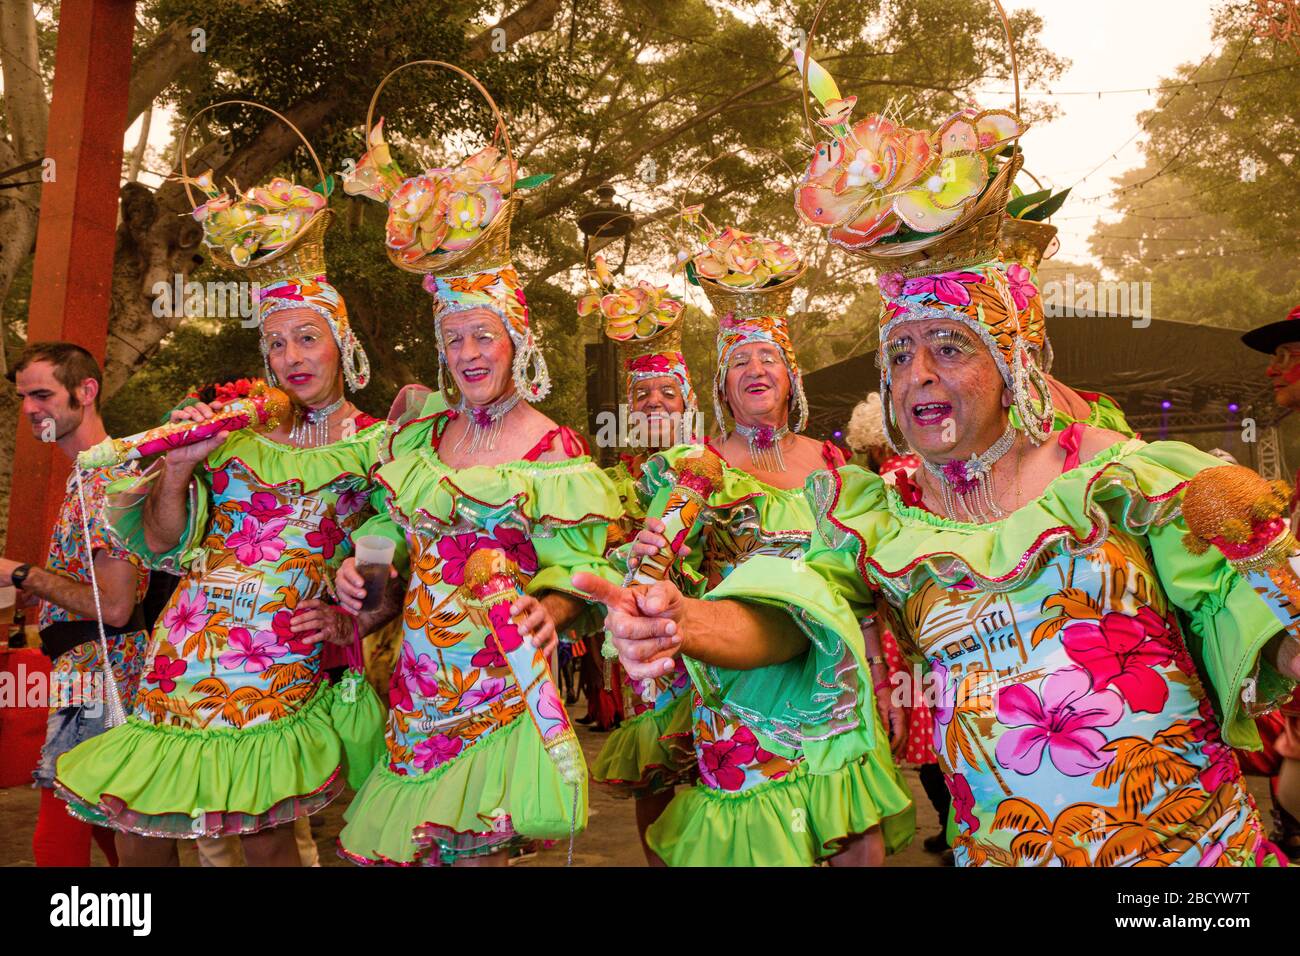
634 93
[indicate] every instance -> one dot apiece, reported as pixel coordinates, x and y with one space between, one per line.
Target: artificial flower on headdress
738 260
315 294
435 221
875 178
441 210
632 311
257 223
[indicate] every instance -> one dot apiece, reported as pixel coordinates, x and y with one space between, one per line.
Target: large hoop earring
1036 417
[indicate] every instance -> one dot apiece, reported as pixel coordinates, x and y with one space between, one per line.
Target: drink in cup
374 559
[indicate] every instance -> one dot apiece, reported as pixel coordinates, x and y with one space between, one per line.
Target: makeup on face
479 353
300 351
662 394
756 374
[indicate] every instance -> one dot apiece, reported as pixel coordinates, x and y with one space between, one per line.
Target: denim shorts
67 727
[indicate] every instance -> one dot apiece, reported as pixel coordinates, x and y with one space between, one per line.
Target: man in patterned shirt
59 385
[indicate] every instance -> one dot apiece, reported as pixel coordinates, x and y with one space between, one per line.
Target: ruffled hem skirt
499 793
650 753
797 820
163 781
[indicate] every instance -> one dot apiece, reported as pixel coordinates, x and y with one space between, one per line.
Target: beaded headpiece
275 236
645 322
453 226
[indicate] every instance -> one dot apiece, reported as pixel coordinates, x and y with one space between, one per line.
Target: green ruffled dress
650 751
466 772
803 764
1087 669
234 728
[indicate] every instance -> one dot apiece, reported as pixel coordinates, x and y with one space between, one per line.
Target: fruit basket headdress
644 321
750 281
274 235
452 225
927 210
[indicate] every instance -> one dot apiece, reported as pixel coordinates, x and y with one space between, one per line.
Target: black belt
62 636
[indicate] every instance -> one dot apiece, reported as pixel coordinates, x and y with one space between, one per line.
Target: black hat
1267 338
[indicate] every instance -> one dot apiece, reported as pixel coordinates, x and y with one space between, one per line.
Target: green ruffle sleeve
1132 485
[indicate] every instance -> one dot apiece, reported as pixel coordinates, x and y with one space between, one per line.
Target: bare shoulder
1097 440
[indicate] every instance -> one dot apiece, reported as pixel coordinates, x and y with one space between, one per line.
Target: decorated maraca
493 580
1243 515
264 407
697 478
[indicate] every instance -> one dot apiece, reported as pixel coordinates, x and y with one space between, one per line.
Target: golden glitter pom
277 404
486 563
1195 544
1228 501
706 466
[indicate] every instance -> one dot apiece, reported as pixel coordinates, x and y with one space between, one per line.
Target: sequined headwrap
316 295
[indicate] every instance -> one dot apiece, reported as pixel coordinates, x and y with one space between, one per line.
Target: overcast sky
1112 45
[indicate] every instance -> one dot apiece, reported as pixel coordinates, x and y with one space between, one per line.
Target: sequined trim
949 568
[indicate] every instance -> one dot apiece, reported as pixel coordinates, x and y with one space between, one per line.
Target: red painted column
73 271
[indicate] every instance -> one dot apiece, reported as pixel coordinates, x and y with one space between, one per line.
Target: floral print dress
466 773
755 792
1072 647
227 686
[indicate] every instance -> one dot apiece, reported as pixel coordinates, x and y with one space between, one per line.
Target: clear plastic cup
374 558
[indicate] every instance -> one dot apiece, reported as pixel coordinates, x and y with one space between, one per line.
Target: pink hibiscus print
963 801
746 736
1063 722
1222 766
187 616
949 287
549 706
164 673
420 673
1121 651
489 688
490 655
252 652
350 502
327 537
1212 854
722 763
265 507
399 693
433 751
280 628
945 702
1022 285
220 480
516 546
255 542
506 631
455 550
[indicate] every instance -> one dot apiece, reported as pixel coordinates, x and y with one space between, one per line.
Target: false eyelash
897 347
956 339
